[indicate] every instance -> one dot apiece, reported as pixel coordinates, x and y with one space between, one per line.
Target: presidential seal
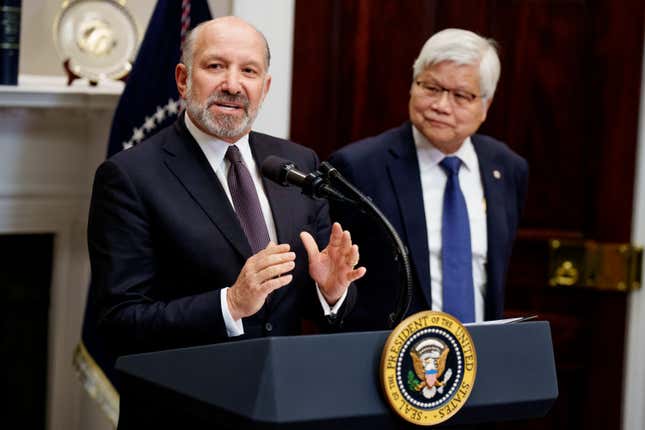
428 367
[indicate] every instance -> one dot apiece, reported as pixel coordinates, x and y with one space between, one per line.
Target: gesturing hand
262 273
333 267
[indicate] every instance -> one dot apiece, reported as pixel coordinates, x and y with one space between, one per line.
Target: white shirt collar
466 152
215 149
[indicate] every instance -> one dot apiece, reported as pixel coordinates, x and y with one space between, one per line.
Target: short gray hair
188 48
462 47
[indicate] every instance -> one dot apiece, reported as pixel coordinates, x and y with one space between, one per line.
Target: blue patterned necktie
456 254
245 200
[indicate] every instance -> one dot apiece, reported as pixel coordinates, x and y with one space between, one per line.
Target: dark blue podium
324 382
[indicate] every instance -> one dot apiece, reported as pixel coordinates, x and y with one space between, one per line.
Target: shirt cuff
328 310
233 327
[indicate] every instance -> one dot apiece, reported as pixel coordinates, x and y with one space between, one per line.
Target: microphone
401 253
283 172
317 184
314 184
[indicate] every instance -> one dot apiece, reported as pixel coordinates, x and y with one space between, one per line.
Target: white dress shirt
215 151
433 183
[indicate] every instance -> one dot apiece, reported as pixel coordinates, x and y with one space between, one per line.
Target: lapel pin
497 174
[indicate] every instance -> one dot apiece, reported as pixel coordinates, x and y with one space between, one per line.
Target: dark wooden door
567 100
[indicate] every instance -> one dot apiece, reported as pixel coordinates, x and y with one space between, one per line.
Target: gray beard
221 125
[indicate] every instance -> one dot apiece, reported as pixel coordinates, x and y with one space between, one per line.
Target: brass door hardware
603 266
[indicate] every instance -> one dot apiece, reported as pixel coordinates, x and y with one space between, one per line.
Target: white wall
274 18
634 389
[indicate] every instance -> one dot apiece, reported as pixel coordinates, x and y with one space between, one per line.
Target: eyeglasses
458 98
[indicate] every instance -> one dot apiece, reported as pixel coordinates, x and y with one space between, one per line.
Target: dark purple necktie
246 202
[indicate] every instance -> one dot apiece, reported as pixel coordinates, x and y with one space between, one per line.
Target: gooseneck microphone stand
400 251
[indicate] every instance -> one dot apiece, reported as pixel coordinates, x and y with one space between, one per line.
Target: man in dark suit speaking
454 196
188 244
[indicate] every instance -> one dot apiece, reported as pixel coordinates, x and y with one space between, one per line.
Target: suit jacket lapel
403 168
496 226
277 195
189 164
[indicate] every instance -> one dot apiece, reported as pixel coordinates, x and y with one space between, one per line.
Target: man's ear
487 104
181 78
267 85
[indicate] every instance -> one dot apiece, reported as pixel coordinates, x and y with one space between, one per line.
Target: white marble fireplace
52 137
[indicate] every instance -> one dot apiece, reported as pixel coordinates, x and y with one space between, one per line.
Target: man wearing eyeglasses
454 196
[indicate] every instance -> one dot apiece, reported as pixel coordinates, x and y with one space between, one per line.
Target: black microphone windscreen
275 169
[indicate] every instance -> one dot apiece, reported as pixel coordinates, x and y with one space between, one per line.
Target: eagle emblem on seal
429 363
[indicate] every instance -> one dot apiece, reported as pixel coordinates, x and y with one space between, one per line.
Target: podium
325 382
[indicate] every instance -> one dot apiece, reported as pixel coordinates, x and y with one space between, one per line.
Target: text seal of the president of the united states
428 367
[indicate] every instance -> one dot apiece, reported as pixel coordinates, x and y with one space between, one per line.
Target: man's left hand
333 267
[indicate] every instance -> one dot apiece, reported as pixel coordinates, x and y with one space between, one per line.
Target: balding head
224 23
223 76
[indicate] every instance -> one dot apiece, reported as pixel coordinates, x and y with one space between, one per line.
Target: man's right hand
262 273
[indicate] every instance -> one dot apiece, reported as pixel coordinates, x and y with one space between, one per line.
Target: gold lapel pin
497 174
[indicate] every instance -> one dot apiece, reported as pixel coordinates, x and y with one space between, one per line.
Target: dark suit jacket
385 168
164 239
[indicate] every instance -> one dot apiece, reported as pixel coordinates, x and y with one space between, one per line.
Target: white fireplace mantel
34 91
52 137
